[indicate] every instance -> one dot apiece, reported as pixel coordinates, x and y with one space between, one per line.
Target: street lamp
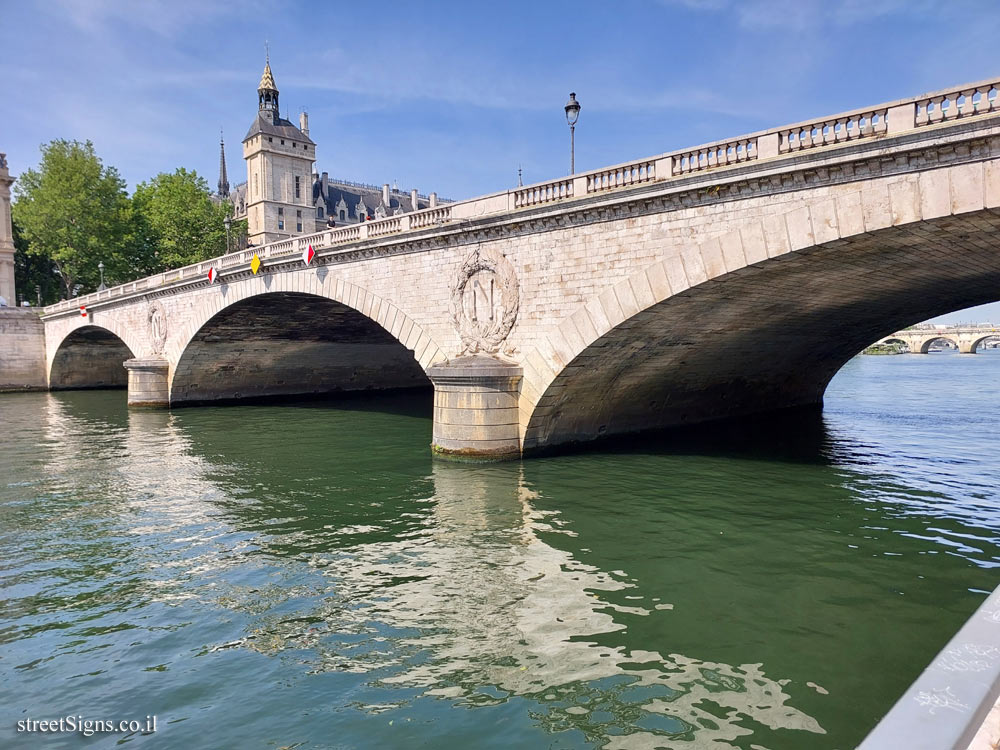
572 115
100 267
229 225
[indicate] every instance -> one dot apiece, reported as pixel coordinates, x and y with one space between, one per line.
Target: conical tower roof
267 80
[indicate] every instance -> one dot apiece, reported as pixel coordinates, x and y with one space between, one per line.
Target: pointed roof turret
267 79
267 93
223 177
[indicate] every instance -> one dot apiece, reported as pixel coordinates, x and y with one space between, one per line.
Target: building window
282 141
294 144
343 215
270 139
281 211
298 214
298 191
319 212
281 224
298 227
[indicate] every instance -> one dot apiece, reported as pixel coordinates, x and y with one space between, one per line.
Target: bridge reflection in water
627 598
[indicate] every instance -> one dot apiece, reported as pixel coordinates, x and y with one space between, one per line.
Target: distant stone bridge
722 280
967 338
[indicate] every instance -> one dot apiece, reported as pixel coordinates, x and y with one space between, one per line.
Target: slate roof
263 124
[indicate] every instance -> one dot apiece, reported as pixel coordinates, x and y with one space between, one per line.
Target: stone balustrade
945 106
621 176
714 155
545 192
971 100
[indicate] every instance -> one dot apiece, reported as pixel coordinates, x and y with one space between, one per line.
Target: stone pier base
147 382
476 408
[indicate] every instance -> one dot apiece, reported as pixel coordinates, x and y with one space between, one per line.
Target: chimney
385 195
325 189
304 123
413 200
434 199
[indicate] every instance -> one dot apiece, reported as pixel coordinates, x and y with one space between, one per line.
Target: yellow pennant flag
255 264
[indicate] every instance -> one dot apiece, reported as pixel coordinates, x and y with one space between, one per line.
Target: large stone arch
89 356
669 344
306 333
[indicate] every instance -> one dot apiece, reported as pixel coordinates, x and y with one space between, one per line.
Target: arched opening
90 357
291 344
768 336
939 344
992 341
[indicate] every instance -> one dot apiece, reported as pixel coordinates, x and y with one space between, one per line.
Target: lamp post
229 224
100 267
572 115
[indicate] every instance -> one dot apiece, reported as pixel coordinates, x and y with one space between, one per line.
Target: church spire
223 177
267 92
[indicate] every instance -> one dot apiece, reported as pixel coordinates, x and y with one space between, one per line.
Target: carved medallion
157 318
484 301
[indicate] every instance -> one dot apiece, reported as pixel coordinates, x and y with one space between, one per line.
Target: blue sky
454 96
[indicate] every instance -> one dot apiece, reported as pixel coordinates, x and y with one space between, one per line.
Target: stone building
284 195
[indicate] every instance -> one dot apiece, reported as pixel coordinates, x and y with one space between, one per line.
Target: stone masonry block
991 184
732 250
641 290
656 277
966 188
694 266
875 207
673 267
904 201
775 235
935 195
799 225
711 254
824 221
754 245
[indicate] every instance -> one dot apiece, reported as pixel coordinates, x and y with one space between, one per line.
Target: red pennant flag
308 254
212 275
83 311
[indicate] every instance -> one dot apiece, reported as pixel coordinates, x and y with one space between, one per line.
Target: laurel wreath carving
475 336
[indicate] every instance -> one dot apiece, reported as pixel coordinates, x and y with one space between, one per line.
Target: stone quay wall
22 350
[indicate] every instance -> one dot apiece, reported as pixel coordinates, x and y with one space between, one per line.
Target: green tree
74 211
34 275
184 224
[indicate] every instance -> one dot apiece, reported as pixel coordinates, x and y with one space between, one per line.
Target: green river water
306 575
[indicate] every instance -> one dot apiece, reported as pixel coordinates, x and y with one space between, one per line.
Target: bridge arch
90 356
764 316
925 345
974 346
298 335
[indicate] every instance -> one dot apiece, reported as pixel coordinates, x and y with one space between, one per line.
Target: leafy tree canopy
183 224
75 211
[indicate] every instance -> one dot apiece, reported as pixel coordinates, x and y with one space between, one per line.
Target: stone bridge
967 338
723 280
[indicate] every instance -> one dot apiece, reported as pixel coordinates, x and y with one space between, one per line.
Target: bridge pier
148 383
476 408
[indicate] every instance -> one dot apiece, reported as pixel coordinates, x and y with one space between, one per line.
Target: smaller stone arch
925 344
974 346
89 356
